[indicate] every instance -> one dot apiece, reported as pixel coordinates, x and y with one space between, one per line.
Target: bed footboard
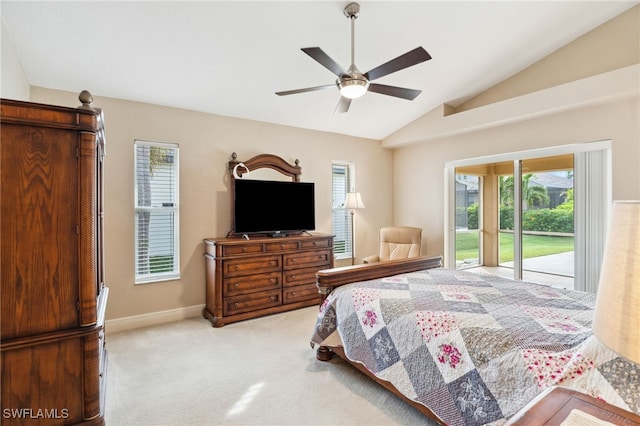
328 279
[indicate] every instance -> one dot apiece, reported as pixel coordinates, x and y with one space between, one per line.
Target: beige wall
558 101
206 143
409 176
613 45
419 168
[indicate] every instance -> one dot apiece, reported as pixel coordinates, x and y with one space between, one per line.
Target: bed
466 348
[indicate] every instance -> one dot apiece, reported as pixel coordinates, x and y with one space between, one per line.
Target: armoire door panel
38 233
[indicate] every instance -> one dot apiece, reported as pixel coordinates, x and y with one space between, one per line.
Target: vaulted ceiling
229 58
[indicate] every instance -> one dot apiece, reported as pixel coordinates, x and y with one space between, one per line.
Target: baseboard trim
153 318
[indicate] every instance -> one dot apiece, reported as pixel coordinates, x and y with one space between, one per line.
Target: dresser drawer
300 293
249 278
251 266
252 302
307 259
241 249
251 283
319 243
281 246
299 276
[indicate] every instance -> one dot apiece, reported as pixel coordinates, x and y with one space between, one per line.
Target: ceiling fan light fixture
353 88
353 84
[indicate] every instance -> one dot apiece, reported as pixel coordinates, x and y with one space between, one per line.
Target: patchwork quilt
474 348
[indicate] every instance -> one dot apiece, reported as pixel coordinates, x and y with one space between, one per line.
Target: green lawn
532 245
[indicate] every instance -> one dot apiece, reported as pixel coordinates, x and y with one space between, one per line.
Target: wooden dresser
53 295
261 276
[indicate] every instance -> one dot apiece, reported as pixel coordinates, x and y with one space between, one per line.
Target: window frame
341 214
592 194
172 210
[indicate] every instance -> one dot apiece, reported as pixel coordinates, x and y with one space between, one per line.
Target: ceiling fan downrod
355 84
351 11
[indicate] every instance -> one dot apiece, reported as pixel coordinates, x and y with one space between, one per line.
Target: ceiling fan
352 83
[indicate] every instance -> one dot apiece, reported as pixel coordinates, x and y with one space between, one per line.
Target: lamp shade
353 201
616 321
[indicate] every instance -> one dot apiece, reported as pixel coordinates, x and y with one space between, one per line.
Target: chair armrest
371 259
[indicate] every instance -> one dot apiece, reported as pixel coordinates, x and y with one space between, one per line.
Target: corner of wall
14 83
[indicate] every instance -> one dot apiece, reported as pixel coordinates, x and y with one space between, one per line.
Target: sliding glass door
539 215
468 220
546 220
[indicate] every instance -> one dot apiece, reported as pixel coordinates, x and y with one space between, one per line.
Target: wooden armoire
53 294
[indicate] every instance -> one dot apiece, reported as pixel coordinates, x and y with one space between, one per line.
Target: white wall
13 81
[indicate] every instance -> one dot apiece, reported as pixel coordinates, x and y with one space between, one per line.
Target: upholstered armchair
397 242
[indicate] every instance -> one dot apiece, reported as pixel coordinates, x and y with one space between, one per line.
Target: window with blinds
343 182
157 254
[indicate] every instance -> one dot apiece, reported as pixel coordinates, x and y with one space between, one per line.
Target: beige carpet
255 372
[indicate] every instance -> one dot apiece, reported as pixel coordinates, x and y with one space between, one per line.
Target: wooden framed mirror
260 162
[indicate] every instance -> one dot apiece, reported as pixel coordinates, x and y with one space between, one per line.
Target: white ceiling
229 58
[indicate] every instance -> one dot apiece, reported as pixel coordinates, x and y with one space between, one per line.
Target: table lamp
616 321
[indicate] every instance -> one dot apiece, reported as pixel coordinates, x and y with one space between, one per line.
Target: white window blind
342 184
157 254
592 175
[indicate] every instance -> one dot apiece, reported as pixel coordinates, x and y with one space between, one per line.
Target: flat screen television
273 207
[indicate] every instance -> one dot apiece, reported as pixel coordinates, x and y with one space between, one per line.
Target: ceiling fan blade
343 105
398 92
324 60
407 60
307 89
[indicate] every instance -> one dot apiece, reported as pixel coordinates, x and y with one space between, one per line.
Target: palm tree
506 190
149 157
532 194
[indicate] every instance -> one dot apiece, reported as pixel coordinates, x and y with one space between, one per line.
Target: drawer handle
293 294
281 246
244 249
293 277
236 304
236 285
273 298
273 262
272 280
237 267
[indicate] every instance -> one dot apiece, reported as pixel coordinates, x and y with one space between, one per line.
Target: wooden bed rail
328 279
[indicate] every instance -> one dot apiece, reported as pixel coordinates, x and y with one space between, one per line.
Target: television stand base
277 234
